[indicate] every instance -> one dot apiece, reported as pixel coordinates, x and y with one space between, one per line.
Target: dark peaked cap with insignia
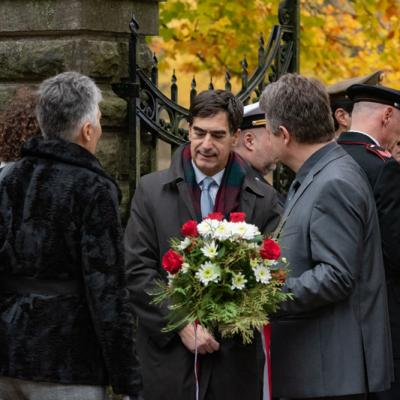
253 117
374 94
337 92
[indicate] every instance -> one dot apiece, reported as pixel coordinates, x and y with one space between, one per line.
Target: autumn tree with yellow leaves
339 39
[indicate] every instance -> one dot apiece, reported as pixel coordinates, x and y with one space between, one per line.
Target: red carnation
215 215
270 250
172 261
237 216
189 228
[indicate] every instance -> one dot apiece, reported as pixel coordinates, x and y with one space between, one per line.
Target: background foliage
339 39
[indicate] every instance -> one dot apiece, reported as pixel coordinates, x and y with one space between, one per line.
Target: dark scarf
229 191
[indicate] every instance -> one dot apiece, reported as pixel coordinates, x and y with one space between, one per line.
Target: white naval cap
253 116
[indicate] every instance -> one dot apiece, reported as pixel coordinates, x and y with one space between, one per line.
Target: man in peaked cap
254 144
375 127
342 105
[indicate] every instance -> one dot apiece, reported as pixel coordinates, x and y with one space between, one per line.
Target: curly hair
18 123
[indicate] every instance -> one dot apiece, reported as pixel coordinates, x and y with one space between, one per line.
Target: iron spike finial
194 83
261 49
228 77
211 85
244 63
193 92
174 79
155 59
134 25
261 40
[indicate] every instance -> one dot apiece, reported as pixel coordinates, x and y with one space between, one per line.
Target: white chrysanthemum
184 244
223 231
207 227
238 281
208 272
210 250
243 230
185 268
262 274
253 245
284 260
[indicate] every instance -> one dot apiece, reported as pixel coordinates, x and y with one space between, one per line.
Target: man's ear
236 138
286 137
86 132
387 115
342 116
248 140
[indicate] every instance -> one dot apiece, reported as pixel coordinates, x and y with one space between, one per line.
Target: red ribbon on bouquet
266 339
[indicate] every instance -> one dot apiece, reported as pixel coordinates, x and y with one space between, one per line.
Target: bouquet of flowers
223 275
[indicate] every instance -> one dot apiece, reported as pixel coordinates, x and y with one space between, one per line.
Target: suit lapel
186 198
248 197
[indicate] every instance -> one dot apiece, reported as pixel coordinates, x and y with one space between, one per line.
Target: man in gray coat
332 339
162 203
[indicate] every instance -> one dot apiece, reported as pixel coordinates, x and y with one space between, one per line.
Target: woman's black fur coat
60 226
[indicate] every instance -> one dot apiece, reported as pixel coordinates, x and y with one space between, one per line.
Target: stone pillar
39 39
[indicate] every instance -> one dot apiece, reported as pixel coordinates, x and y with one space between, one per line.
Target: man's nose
207 141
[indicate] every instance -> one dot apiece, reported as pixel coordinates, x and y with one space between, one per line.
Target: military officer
375 127
254 144
342 105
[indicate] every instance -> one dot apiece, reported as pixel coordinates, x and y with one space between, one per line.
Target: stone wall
39 39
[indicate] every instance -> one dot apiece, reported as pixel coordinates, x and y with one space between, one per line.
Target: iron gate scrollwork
146 102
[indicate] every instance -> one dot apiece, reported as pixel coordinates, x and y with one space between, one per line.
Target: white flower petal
208 272
262 274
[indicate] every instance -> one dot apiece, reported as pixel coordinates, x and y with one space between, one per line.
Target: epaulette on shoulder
378 151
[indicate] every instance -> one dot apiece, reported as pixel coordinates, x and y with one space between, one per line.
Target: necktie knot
206 183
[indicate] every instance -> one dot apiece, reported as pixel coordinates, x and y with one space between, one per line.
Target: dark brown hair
18 124
211 102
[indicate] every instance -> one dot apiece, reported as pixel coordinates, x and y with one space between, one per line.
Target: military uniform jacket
383 173
161 205
333 338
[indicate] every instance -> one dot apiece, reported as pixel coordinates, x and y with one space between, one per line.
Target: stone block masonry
41 38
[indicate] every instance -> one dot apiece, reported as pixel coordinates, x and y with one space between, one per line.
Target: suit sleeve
274 214
387 195
105 286
143 264
336 235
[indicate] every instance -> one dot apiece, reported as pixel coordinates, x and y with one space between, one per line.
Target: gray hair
66 102
301 105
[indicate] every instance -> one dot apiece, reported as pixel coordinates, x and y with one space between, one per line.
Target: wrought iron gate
146 103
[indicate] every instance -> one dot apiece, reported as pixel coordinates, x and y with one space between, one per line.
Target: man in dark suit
332 339
162 203
375 128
